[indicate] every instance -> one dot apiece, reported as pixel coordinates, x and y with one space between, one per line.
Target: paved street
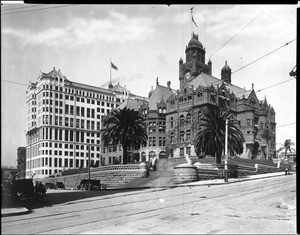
254 207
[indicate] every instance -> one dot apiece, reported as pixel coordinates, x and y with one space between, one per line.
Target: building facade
173 116
200 91
64 122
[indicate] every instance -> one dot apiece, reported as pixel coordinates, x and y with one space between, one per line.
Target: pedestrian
154 164
150 164
286 171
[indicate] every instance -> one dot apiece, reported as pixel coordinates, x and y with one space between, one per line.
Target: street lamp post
226 152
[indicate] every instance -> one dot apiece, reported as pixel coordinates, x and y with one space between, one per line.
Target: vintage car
94 184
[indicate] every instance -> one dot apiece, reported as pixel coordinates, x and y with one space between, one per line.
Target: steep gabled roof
206 80
159 93
131 104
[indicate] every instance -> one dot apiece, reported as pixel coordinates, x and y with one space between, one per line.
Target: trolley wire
46 8
17 8
263 56
235 35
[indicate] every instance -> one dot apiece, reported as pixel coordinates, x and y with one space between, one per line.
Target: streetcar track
136 213
143 212
126 203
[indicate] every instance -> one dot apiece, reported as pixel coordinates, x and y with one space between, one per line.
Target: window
188 151
188 118
172 138
181 120
248 122
181 136
171 121
66 135
188 135
181 152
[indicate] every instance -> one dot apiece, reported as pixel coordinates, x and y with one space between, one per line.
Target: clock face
188 74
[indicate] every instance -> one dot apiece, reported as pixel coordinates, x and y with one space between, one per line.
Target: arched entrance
152 154
162 155
143 155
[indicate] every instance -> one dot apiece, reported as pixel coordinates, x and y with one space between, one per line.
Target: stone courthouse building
199 91
173 116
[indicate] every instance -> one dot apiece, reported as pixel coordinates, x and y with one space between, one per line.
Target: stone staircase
162 177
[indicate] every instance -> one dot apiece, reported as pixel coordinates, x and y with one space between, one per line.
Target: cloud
84 31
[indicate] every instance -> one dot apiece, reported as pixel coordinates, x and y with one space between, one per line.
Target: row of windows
152 141
185 119
111 148
56 162
69 122
181 150
69 110
72 91
183 136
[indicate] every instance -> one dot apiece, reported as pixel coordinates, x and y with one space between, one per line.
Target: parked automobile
94 184
49 185
60 185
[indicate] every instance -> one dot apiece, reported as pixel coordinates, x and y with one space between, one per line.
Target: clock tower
195 61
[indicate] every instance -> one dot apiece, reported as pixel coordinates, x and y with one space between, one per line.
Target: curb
5 212
237 181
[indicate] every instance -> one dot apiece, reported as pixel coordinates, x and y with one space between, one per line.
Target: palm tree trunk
124 147
267 155
218 158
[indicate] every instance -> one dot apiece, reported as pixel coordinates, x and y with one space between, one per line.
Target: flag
194 21
113 66
193 17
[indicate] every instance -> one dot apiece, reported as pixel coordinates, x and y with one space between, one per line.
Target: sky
144 42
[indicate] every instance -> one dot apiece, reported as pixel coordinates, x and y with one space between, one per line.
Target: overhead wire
264 56
17 8
14 82
286 124
235 35
45 8
275 85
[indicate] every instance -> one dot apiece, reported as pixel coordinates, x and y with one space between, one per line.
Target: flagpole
110 74
191 22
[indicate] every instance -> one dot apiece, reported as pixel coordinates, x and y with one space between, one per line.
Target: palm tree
210 139
286 146
125 127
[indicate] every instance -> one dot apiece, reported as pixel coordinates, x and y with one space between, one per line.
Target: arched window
181 136
143 156
172 138
181 120
252 102
188 118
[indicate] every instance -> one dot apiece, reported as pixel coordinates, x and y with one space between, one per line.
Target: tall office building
64 122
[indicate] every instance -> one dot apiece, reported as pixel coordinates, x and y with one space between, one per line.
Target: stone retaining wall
114 176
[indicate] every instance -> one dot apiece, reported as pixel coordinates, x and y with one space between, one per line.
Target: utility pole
226 151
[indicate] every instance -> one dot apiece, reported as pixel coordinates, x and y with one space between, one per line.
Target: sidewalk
233 180
13 211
